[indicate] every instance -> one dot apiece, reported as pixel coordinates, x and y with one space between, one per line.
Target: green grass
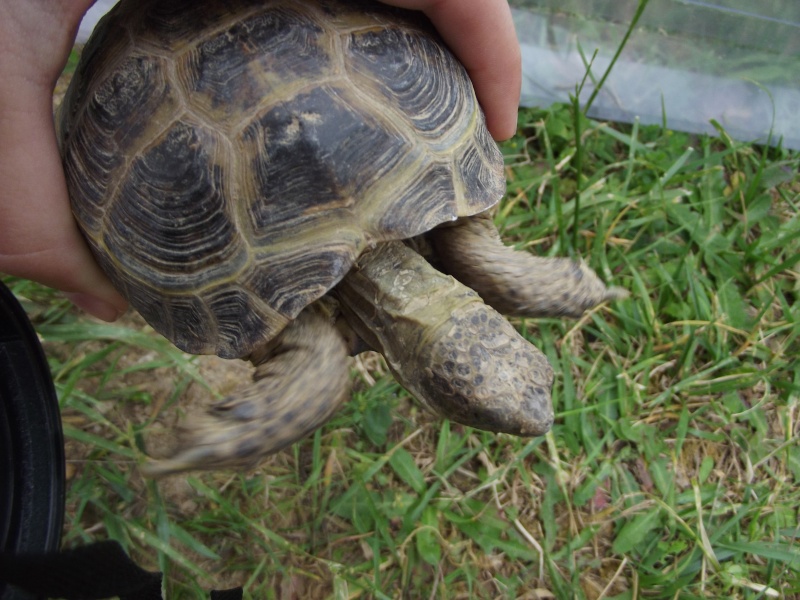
673 468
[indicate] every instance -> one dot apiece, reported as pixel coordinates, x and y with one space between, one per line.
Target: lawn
673 467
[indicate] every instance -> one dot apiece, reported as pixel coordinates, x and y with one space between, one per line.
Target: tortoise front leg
516 282
458 356
299 382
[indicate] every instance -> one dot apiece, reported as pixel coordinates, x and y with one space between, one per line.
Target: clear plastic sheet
92 16
687 62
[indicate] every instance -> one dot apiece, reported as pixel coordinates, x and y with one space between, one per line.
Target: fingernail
95 307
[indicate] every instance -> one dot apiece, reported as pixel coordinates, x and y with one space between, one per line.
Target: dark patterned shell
228 161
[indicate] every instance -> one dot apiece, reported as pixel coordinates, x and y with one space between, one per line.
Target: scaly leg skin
516 282
458 356
299 382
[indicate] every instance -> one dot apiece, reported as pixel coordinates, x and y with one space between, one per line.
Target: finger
36 37
481 34
40 240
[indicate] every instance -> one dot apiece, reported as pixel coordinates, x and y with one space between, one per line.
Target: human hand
481 34
39 239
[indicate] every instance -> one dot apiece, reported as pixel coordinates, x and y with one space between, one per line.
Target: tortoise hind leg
516 282
299 382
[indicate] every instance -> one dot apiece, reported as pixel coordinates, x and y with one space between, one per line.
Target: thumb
40 239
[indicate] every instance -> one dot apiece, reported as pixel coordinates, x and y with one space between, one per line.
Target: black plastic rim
31 441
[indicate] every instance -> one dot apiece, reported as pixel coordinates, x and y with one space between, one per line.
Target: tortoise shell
228 161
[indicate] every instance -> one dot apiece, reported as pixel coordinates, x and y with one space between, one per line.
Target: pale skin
38 237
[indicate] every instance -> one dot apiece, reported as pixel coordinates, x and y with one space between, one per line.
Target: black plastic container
31 442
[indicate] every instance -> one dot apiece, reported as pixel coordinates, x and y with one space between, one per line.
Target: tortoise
274 181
